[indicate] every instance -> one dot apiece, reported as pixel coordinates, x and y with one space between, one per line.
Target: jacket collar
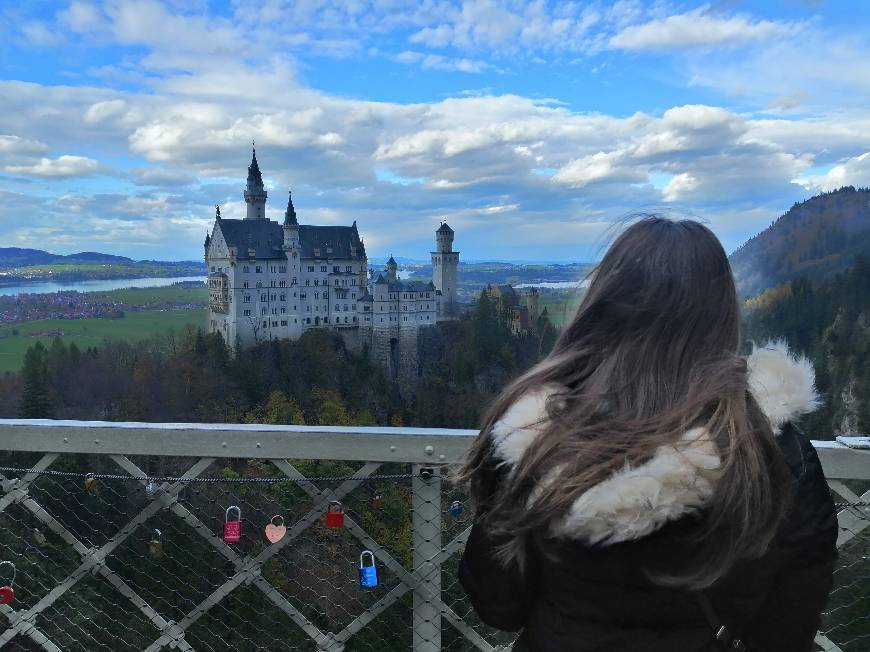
679 479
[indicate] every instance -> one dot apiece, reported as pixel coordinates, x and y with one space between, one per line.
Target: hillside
815 239
16 257
830 323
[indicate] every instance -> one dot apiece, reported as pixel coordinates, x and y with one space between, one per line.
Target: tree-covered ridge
830 323
192 376
814 239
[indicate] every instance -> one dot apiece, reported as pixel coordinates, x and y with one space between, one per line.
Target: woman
644 488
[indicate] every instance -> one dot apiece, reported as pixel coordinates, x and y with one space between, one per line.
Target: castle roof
391 261
255 177
444 228
380 280
290 213
267 238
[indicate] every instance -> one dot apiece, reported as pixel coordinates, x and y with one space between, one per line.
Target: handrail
357 443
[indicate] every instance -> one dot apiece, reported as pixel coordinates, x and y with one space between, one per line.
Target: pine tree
36 398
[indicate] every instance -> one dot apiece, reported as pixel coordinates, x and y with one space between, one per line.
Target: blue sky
529 126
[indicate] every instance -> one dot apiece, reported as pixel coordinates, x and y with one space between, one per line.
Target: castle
274 281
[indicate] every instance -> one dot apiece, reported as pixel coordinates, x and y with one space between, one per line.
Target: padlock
368 575
7 592
90 482
335 515
155 546
274 531
233 529
456 509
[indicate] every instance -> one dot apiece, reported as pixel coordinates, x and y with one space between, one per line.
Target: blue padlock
368 575
456 509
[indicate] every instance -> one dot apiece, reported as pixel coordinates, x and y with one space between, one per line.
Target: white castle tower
255 192
445 262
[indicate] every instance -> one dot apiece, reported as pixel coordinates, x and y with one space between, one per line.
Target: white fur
679 479
783 384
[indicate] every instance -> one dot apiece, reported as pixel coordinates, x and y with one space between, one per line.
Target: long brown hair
652 352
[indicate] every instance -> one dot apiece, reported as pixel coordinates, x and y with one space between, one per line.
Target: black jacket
586 588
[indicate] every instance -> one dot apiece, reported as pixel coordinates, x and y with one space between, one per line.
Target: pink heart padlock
274 533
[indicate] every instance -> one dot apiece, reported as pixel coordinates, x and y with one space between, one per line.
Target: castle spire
290 213
255 192
217 211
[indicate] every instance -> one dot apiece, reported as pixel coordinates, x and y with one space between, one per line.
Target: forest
830 323
192 376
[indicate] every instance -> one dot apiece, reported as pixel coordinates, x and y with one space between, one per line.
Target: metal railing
116 533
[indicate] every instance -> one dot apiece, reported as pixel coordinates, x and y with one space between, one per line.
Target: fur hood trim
680 478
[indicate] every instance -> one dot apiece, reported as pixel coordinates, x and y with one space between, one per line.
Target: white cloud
854 171
439 62
60 167
699 28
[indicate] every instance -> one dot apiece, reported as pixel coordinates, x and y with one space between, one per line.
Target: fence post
426 504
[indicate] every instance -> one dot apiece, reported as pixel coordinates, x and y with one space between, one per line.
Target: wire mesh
120 554
138 562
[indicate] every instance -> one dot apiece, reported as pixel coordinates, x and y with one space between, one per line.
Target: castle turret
392 270
291 225
255 192
445 262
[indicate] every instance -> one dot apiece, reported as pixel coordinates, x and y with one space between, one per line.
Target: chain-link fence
136 562
119 553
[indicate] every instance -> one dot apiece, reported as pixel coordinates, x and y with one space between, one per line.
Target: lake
100 285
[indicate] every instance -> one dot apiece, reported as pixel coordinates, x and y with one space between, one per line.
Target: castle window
245 284
283 311
353 281
326 295
317 281
274 296
338 320
324 268
353 295
303 295
354 319
273 269
307 282
258 269
274 323
283 322
262 311
265 324
294 308
272 284
336 269
311 268
308 321
293 281
282 284
247 313
212 268
246 269
274 311
405 319
282 268
353 307
247 298
348 268
336 282
382 319
283 297
264 297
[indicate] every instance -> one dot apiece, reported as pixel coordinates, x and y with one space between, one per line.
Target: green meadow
134 326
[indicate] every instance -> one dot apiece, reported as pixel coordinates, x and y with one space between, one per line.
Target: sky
530 127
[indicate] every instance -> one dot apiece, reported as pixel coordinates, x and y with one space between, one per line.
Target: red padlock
335 515
233 529
7 593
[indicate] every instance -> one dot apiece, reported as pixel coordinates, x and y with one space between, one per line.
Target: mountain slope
17 257
814 239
